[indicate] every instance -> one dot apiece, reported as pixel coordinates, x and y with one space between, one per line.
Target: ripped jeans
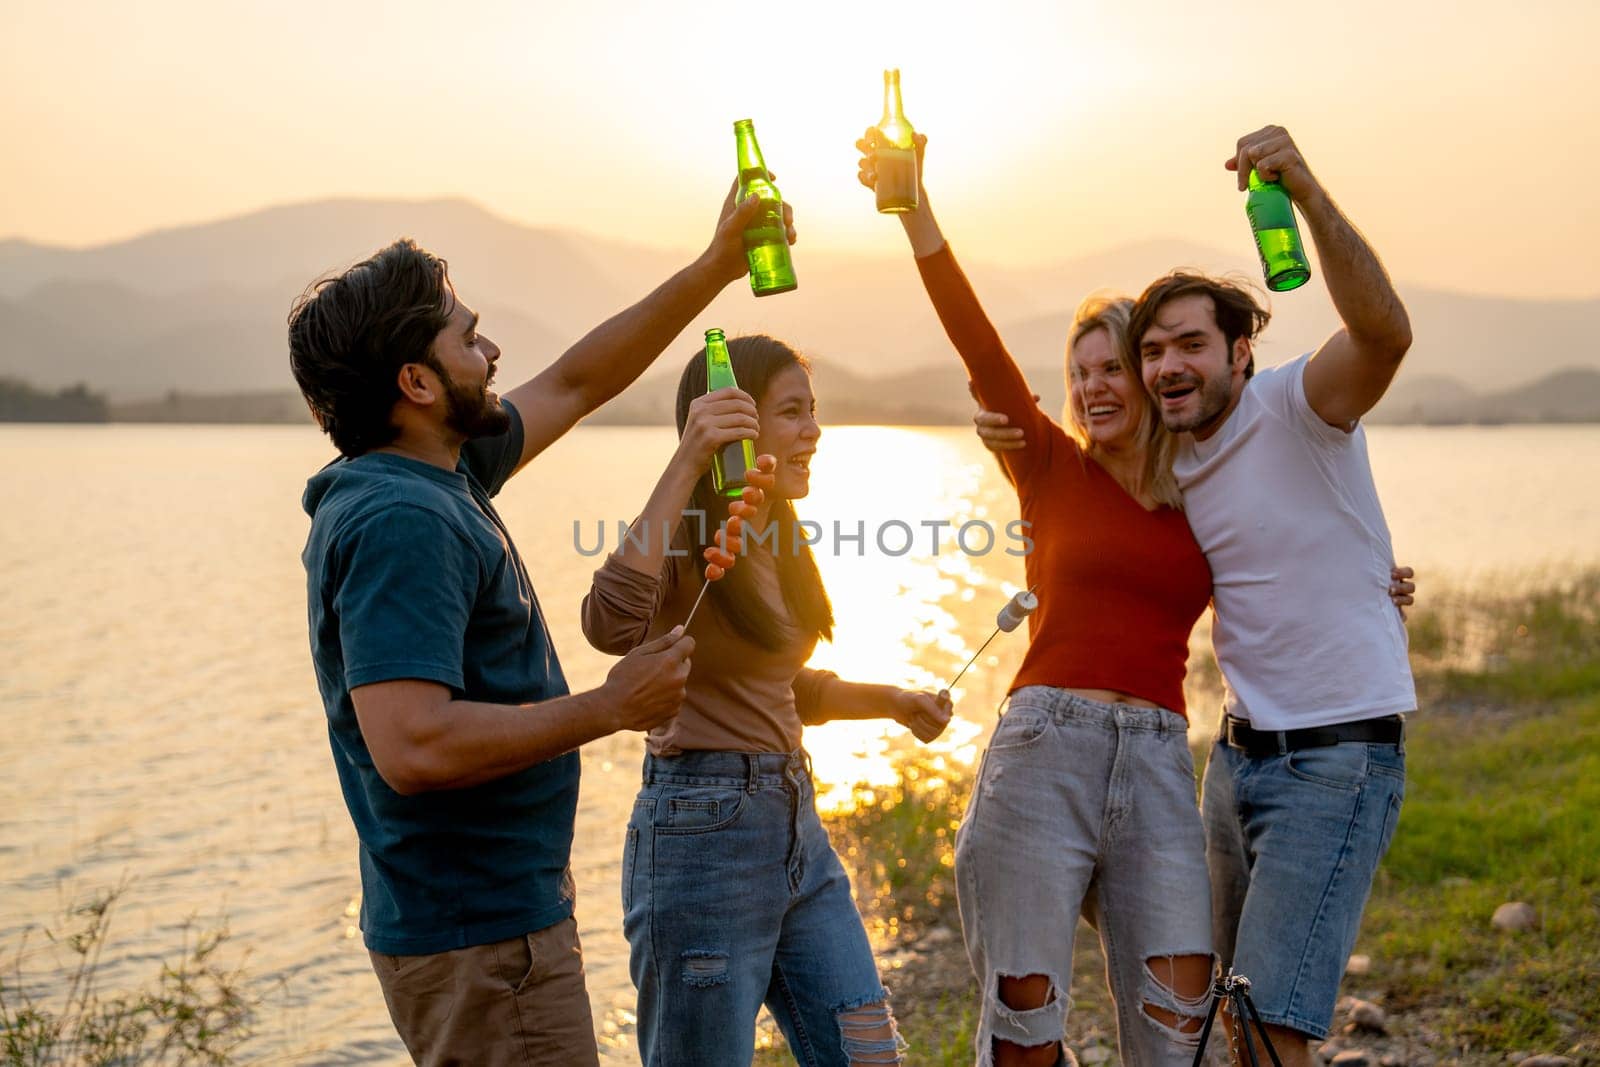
732 897
1084 806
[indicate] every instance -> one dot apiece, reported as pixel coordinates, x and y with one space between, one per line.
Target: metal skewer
696 607
973 660
1016 601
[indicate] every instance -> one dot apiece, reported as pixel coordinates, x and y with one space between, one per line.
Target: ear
1241 354
418 383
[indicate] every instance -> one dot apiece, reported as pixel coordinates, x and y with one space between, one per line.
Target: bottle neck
893 110
719 368
749 152
1256 181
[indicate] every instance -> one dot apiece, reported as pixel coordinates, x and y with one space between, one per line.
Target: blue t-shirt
410 574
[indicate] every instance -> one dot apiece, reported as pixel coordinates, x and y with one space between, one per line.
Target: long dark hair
757 359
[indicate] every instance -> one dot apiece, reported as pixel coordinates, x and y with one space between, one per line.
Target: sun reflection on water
907 617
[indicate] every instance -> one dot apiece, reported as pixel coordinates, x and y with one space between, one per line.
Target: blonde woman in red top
1085 799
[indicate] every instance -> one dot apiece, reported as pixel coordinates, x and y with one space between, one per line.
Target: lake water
161 722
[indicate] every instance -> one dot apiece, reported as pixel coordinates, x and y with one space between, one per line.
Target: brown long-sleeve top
740 697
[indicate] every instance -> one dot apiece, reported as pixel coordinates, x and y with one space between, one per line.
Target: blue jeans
732 898
1293 842
1084 806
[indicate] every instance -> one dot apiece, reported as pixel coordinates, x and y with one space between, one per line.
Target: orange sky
1459 138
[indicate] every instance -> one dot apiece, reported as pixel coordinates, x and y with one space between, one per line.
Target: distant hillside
21 402
937 395
273 407
1571 395
202 309
934 396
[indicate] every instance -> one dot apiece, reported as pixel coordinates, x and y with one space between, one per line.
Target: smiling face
1107 401
1188 366
787 412
465 360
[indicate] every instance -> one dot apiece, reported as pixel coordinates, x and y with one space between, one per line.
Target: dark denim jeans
1293 842
732 898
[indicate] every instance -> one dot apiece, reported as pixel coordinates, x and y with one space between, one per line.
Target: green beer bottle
766 242
1271 213
729 465
897 152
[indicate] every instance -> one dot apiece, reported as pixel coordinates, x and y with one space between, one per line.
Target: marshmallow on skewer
1009 618
1021 606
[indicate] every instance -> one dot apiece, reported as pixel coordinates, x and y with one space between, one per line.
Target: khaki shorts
522 1001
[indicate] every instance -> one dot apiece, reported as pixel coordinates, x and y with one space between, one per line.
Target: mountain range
201 309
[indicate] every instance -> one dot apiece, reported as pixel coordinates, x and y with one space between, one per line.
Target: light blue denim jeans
732 897
1084 806
1293 842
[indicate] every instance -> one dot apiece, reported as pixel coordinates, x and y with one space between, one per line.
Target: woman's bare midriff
1111 696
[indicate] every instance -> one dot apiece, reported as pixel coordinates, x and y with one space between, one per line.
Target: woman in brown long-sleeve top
733 896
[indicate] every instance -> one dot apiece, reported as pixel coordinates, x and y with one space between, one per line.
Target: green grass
197 1011
1507 641
899 843
945 1036
1497 808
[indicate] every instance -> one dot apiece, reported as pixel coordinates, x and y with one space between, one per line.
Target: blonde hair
1155 480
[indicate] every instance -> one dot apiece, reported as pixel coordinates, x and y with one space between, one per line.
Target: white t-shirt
1285 509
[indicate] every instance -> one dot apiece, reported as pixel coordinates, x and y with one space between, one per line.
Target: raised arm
997 381
1352 370
628 588
609 357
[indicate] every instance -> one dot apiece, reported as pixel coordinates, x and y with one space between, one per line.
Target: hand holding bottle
867 165
921 227
897 158
726 253
1272 153
1271 168
768 237
716 419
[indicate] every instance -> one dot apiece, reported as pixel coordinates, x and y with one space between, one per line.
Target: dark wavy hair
350 334
1237 312
756 359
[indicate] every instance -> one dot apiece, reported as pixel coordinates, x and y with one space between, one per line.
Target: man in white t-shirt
1304 786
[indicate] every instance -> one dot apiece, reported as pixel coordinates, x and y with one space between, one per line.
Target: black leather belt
1256 744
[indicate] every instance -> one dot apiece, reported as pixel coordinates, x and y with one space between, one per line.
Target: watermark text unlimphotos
894 537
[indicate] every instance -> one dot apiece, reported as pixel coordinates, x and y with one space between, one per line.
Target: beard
1213 394
470 412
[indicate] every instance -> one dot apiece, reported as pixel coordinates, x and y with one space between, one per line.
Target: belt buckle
1256 744
1231 732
